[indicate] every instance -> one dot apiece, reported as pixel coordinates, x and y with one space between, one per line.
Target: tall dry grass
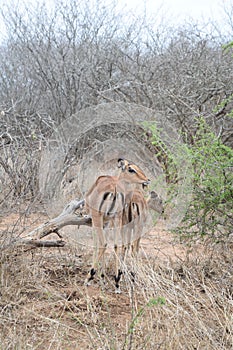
173 304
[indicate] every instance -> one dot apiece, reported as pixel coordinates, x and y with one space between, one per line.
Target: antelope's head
155 202
132 173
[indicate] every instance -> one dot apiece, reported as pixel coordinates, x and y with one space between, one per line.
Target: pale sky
175 11
181 9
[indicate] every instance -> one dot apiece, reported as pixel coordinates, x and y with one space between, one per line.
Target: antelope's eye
131 170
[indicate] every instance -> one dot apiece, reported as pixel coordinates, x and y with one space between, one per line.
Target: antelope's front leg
126 241
118 271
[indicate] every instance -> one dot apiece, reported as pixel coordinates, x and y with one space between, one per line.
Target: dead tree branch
67 217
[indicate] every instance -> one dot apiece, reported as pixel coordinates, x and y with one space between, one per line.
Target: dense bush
55 62
210 210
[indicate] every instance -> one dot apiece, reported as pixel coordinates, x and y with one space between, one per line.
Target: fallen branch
67 217
37 243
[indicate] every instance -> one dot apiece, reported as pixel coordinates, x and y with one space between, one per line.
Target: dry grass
181 301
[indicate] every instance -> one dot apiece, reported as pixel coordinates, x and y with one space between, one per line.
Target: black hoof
117 279
90 276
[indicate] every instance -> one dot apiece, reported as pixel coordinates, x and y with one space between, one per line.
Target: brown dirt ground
44 304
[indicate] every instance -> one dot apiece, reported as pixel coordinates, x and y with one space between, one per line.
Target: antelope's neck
128 185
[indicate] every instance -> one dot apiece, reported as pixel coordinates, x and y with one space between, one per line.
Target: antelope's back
106 196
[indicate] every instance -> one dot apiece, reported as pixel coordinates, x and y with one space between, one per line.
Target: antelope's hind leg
100 246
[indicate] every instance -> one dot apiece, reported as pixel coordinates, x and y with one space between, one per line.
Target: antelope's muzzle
146 183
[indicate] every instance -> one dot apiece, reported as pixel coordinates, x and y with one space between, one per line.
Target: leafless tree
56 61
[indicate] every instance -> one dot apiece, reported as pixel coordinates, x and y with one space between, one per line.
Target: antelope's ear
153 194
122 163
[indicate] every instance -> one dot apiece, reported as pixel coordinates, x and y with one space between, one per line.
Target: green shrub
211 209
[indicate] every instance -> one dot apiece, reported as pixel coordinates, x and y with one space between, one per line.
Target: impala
105 202
135 215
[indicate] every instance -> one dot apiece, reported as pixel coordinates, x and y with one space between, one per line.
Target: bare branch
67 217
